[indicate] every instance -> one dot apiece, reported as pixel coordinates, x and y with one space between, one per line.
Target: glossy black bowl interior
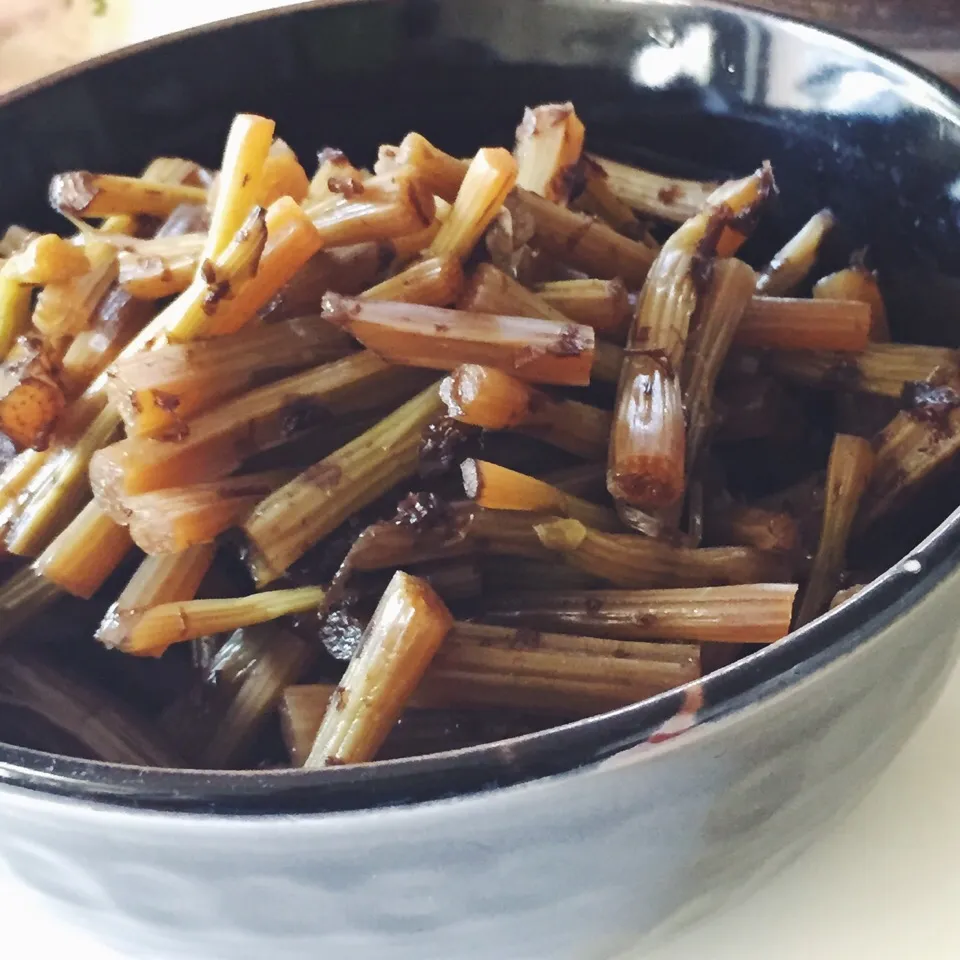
699 90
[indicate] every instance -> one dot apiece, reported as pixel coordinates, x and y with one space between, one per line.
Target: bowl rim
418 780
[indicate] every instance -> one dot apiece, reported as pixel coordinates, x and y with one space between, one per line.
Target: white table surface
882 884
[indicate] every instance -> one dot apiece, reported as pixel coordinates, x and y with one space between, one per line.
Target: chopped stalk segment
47 259
406 631
157 581
656 195
884 369
160 389
490 177
98 548
498 488
167 623
785 324
601 304
435 282
216 443
753 613
440 339
791 266
287 523
92 195
848 473
549 142
440 172
727 523
857 283
635 562
487 397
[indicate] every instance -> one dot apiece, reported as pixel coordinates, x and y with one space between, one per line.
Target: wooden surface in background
925 31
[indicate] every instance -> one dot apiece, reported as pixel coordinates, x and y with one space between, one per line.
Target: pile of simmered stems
259 354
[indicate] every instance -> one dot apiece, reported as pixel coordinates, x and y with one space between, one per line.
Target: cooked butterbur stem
536 350
167 623
728 523
407 629
171 520
47 259
91 195
16 300
382 209
586 244
598 199
548 147
923 436
160 267
636 562
117 319
489 398
255 664
335 175
647 452
499 488
216 443
857 283
490 177
647 460
492 291
501 666
774 323
282 176
663 197
442 173
585 480
241 180
83 572
601 304
436 282
729 291
157 581
290 521
752 613
31 394
848 473
412 245
65 309
155 390
882 368
348 270
791 266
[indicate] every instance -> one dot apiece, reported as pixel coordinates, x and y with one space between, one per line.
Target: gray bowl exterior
641 835
574 867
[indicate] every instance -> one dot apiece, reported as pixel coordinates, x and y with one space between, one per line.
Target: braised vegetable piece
666 455
489 398
291 520
848 474
156 390
755 613
785 324
402 638
601 304
549 142
92 195
498 488
666 198
791 266
537 350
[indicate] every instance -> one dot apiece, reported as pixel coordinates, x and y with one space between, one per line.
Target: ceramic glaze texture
568 845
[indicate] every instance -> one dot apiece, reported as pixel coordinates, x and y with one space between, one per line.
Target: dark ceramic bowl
577 842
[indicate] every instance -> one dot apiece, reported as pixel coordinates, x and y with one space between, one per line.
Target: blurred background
39 36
